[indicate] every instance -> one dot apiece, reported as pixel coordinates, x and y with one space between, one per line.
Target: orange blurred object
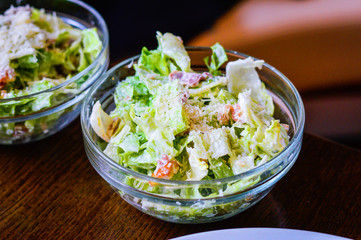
315 43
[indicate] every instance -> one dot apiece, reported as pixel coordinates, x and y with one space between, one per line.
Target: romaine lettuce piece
275 139
67 33
28 62
130 93
241 164
246 111
247 143
197 157
200 146
152 80
219 82
48 60
143 162
27 105
218 57
26 69
198 166
130 144
173 47
91 43
220 168
225 97
39 18
112 151
42 101
242 74
168 106
241 185
155 61
161 143
180 143
160 139
218 143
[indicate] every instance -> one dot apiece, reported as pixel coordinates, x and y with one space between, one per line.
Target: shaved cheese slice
102 124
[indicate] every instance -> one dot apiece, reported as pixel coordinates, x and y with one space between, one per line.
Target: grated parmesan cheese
18 35
196 119
200 118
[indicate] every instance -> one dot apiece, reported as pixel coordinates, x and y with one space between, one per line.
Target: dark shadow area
335 113
133 24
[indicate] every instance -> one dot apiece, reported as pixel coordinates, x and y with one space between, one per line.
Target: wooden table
49 190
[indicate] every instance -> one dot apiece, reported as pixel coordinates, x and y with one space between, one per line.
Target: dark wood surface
49 190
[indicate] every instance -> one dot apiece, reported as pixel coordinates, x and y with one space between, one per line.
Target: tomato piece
7 74
237 113
166 167
223 117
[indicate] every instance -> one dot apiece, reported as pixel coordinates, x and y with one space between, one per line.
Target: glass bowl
67 96
167 200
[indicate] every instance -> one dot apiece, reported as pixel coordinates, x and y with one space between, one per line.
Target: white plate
260 234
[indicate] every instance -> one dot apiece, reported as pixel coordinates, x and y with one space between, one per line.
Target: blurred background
315 43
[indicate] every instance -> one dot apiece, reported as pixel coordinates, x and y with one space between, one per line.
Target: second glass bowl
66 103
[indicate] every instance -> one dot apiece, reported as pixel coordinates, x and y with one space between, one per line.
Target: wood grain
49 190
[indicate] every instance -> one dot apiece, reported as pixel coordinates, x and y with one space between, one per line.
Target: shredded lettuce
218 58
172 47
154 61
51 52
210 126
91 43
198 167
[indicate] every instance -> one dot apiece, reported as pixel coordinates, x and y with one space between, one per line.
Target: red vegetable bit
223 117
237 113
166 167
3 93
7 74
184 96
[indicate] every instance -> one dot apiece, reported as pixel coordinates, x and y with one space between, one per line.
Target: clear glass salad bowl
168 200
66 103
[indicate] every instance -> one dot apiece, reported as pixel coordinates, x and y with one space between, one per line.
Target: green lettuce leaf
142 162
91 43
130 144
39 18
218 143
242 75
168 106
172 47
198 167
220 168
225 97
218 57
130 93
160 139
154 61
275 139
241 164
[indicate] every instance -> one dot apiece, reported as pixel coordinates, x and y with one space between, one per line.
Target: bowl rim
105 42
299 128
